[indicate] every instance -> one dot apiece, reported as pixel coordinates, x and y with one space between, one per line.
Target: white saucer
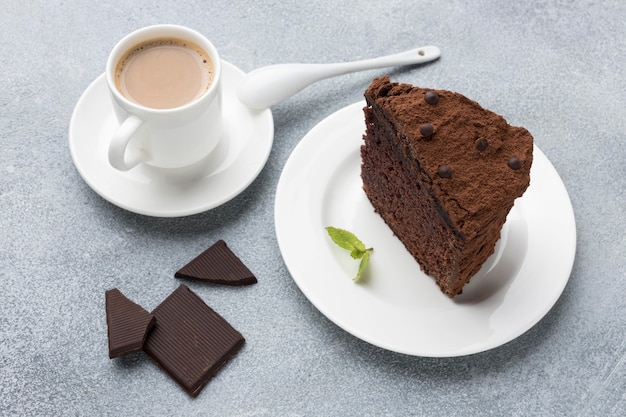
243 152
398 307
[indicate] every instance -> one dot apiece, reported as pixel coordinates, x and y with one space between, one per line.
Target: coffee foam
164 73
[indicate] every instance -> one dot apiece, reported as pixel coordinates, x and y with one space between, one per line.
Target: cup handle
119 143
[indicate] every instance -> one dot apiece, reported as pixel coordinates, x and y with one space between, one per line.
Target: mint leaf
348 241
364 260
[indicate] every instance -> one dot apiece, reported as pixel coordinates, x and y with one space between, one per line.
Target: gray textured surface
556 67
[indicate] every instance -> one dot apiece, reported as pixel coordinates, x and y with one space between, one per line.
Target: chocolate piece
445 171
514 163
190 341
431 97
427 130
219 265
127 324
481 144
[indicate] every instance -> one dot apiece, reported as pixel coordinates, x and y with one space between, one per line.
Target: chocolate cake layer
219 265
443 173
127 324
190 341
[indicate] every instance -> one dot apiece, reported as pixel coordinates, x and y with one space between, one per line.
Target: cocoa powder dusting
482 177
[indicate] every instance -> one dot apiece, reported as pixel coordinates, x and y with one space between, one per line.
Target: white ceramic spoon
266 86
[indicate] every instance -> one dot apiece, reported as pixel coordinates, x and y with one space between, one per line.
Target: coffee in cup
164 73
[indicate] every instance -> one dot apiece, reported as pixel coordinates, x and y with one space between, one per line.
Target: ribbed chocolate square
219 265
127 324
190 341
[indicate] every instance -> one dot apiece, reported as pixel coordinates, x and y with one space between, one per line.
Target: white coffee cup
169 138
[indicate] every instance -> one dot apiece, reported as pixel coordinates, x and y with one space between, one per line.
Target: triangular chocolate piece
219 265
128 324
190 341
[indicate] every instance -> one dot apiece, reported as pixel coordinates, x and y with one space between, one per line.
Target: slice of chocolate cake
443 173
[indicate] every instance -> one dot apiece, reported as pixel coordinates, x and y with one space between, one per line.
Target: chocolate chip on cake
514 163
445 171
426 130
481 144
431 97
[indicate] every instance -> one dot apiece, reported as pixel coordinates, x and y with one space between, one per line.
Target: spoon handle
272 84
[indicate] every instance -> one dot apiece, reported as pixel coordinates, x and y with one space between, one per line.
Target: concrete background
555 67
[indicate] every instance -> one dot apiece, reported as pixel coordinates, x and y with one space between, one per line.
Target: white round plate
239 158
396 306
